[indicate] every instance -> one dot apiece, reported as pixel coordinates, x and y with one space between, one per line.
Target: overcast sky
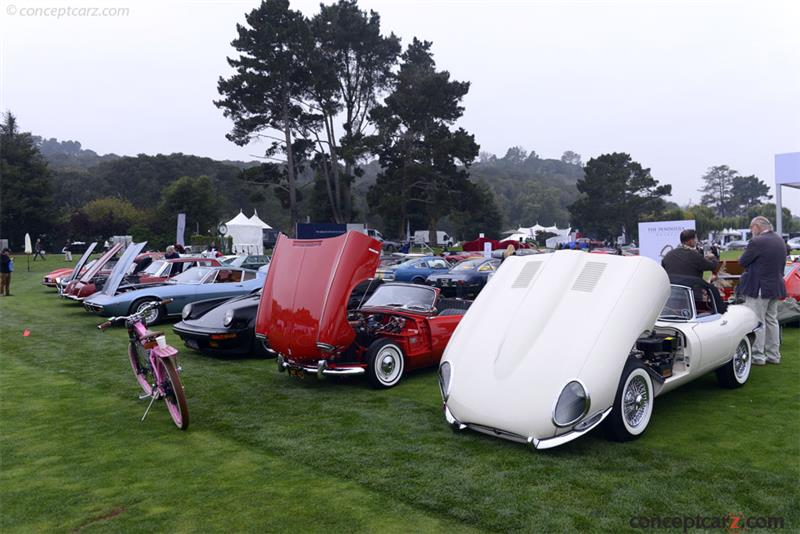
681 86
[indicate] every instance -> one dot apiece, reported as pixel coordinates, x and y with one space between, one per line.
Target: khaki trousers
768 338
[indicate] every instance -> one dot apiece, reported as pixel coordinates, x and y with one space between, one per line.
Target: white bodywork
544 321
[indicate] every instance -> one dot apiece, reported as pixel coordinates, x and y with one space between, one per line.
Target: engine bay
663 352
372 324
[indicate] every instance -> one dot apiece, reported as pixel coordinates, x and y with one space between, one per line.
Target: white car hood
543 321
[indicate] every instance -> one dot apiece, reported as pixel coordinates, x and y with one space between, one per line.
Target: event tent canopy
256 220
247 235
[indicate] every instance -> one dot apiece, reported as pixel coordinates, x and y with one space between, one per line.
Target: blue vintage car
195 284
466 279
415 270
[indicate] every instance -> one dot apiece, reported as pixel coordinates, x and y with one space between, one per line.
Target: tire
174 397
418 280
633 404
735 373
385 364
140 363
154 316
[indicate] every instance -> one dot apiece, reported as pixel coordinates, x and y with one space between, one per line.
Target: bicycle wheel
140 363
174 396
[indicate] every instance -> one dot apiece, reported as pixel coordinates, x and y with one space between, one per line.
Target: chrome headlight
572 404
445 374
186 312
228 319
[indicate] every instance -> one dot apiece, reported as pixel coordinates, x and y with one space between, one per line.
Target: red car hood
304 301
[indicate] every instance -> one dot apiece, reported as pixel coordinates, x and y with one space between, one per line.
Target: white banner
181 229
658 238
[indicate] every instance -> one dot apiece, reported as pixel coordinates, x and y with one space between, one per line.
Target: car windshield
154 267
467 265
192 276
236 262
679 305
402 296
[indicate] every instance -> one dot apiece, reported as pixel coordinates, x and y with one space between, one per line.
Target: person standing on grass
38 250
762 287
6 267
67 251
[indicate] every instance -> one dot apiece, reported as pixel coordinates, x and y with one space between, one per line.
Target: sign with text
658 238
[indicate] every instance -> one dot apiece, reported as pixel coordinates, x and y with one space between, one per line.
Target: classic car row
509 364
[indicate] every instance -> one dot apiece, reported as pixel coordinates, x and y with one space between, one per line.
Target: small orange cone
26 333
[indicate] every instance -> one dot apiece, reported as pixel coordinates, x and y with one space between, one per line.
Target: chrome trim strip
549 443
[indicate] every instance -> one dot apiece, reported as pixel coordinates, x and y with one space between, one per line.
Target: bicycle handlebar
139 314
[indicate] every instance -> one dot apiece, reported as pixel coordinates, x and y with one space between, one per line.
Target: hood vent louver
589 276
526 275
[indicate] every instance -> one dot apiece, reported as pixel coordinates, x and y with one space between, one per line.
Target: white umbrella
28 249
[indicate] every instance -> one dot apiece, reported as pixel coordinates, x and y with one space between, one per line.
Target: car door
224 283
717 337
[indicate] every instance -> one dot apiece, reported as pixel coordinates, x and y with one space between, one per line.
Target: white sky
681 86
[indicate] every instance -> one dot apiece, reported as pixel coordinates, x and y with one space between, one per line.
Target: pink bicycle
154 364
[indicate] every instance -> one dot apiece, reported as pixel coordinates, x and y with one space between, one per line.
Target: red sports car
791 277
303 317
80 288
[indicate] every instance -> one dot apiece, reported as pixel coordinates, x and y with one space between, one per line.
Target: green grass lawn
266 452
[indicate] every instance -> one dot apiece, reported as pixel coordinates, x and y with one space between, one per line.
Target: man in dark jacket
687 260
762 287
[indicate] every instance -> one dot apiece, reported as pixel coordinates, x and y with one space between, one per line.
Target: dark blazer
764 260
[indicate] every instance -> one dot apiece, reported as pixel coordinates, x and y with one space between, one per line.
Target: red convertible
303 317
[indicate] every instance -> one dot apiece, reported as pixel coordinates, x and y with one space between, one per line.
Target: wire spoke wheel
637 397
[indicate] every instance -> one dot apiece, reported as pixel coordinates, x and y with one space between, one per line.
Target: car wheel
633 404
385 364
418 280
389 248
735 373
155 315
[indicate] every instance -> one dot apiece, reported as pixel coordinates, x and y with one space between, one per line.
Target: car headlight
445 374
228 319
572 404
186 312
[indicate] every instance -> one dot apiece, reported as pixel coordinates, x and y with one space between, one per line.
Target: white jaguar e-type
557 343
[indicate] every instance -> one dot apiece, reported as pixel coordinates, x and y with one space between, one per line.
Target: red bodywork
477 244
303 308
50 278
792 280
84 286
731 272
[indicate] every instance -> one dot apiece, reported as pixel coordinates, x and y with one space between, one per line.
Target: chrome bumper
577 431
321 369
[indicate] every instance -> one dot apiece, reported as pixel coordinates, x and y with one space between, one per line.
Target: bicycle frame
138 333
159 365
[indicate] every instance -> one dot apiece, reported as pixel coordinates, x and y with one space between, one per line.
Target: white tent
246 234
255 220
